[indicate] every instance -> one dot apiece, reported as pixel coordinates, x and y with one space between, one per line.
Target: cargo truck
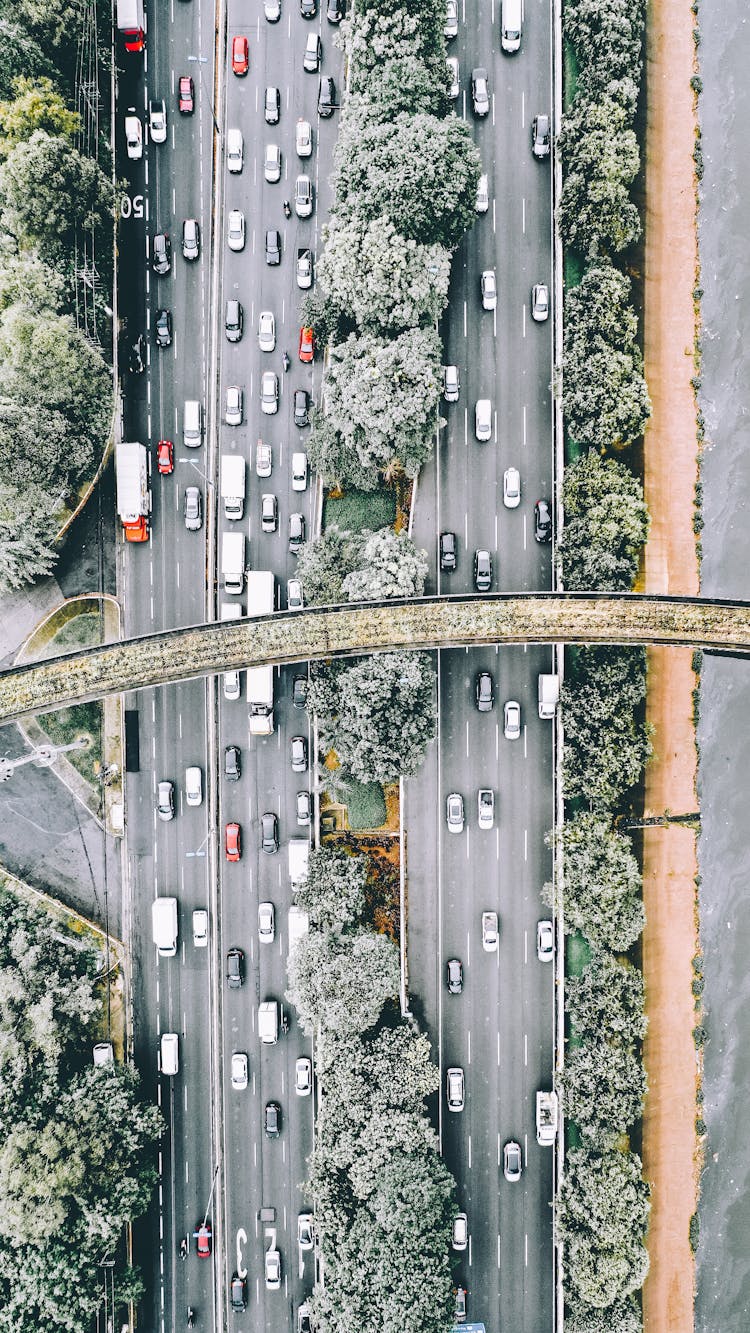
546 1118
131 24
164 926
233 485
133 491
549 693
299 924
299 852
260 602
233 563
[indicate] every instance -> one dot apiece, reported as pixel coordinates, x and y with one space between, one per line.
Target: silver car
545 941
486 808
451 384
453 76
303 196
304 808
450 29
269 392
165 800
272 163
489 289
239 1070
454 813
512 1161
539 302
455 1089
512 720
483 419
233 412
511 488
266 923
266 331
192 507
236 229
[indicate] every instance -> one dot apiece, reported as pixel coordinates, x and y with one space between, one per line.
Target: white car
304 808
311 58
512 720
490 932
233 412
263 459
304 269
303 138
272 163
486 808
511 488
200 928
483 419
489 289
483 194
305 1231
454 813
273 1270
269 392
294 595
512 1160
230 684
266 923
303 196
272 10
157 120
299 470
451 384
453 75
451 20
165 801
239 1070
269 513
455 1087
539 302
133 135
193 785
266 331
236 229
303 1076
545 941
235 150
460 1235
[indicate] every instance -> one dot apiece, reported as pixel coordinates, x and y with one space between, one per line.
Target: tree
25 280
28 524
323 564
606 525
380 280
341 982
604 1085
607 36
390 565
604 394
402 82
622 1317
37 105
602 1215
607 743
378 714
39 448
600 162
48 190
607 1000
603 887
333 892
409 36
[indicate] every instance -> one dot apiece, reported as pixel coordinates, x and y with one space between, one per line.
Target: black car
308 8
272 1120
235 968
238 1292
299 691
485 691
335 11
273 247
233 321
326 97
482 571
540 136
301 407
296 532
161 253
232 763
542 521
163 328
447 551
455 976
269 830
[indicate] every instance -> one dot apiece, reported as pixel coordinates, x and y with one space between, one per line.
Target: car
266 923
303 138
233 842
165 457
306 344
303 196
200 928
483 194
269 833
269 392
480 93
335 11
235 968
485 807
266 331
484 692
235 149
545 941
272 106
459 1313
273 247
161 254
305 1231
511 488
450 29
236 229
232 763
483 419
272 1120
455 1089
301 408
272 10
240 55
296 533
298 752
269 513
540 136
308 8
272 1265
542 521
482 571
192 509
451 384
299 470
191 239
512 1163
202 1235
304 1319
186 95
157 120
454 85
454 813
447 552
238 1292
326 97
313 52
193 785
304 269
303 1076
239 1070
299 691
455 974
163 328
233 412
539 302
263 459
234 321
165 801
133 135
272 163
230 684
512 720
294 600
460 1232
488 287
490 932
303 802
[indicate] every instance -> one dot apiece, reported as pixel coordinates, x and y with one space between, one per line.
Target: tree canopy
602 1215
600 162
603 887
606 739
606 525
378 279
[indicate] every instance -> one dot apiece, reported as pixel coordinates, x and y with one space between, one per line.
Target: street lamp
203 60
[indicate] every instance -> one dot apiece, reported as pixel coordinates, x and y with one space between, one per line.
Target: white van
511 21
235 150
268 1022
170 1053
483 195
192 424
193 785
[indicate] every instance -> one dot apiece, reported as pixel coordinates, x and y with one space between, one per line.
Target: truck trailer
261 591
164 926
233 485
299 852
133 491
233 563
131 24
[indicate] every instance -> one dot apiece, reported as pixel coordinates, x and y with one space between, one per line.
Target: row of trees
342 566
384 1199
77 1160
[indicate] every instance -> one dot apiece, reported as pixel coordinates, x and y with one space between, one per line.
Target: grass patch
355 510
81 632
570 75
365 805
577 954
66 725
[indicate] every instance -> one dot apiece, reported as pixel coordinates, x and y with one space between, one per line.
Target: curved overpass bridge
345 631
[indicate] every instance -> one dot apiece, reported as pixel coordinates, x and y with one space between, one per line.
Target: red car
306 347
203 1236
186 95
232 842
240 55
165 457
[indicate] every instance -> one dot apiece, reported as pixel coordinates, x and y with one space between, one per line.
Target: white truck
261 592
164 926
299 851
131 24
546 1118
233 485
133 491
233 563
299 924
549 694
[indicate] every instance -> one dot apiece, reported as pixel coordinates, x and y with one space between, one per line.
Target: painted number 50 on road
131 208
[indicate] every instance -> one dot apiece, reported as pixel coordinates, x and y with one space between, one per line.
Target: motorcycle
183 1247
287 209
191 1317
286 361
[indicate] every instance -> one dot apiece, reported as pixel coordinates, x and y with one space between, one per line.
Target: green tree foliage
19 49
604 393
49 190
602 1216
26 281
604 1085
402 83
607 1001
377 713
342 981
333 894
600 162
606 743
409 39
323 564
622 1317
607 36
606 525
379 280
603 885
36 106
40 449
389 565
